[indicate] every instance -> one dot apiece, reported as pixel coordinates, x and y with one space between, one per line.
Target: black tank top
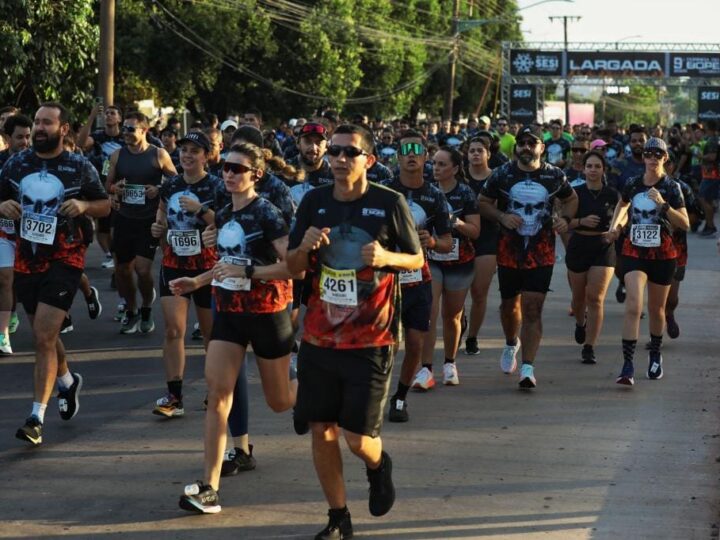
138 170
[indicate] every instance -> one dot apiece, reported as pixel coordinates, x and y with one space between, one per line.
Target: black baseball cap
526 132
196 137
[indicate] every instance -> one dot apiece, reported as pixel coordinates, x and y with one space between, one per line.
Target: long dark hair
457 160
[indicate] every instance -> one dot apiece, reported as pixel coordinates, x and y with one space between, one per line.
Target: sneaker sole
77 401
589 362
471 353
451 383
527 384
657 378
188 504
20 434
177 413
97 299
151 329
421 388
132 330
626 381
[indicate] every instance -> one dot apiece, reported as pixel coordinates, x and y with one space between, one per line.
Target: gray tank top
138 170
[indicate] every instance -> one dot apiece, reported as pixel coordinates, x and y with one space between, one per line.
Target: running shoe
196 333
108 262
382 490
424 380
673 330
450 374
93 303
398 410
31 431
620 293
14 323
708 233
527 377
130 323
588 355
69 399
169 406
627 375
237 461
147 324
300 425
655 370
471 346
580 333
508 360
200 498
120 312
67 325
338 528
5 348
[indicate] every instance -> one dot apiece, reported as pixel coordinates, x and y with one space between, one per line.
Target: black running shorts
584 252
416 306
270 334
344 386
132 238
660 272
514 281
55 287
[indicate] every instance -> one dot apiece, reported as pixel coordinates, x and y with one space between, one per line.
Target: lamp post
565 19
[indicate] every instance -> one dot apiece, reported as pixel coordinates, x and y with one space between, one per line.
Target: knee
278 404
356 443
593 301
633 309
324 432
532 312
173 333
143 272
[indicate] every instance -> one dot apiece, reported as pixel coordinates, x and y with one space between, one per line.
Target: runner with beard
186 209
355 235
525 191
251 288
485 245
50 193
215 162
134 177
653 204
452 272
429 210
17 129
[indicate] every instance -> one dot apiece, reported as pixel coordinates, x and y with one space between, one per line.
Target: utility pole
107 51
448 109
565 19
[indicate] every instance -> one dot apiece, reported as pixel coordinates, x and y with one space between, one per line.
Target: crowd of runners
361 233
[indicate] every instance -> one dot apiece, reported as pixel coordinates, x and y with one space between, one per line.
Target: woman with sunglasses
590 255
251 289
575 172
452 272
485 245
655 206
186 208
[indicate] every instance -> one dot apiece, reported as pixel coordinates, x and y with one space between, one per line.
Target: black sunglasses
350 151
658 154
129 129
236 168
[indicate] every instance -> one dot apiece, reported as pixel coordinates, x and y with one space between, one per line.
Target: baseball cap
526 132
597 143
196 137
249 134
313 128
228 123
656 143
484 120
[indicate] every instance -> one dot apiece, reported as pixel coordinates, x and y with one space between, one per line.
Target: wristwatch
203 210
665 207
249 271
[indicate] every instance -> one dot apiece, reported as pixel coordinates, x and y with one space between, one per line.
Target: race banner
541 63
523 103
695 64
616 64
708 103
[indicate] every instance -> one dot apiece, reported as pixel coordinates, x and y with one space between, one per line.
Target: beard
310 162
51 142
526 158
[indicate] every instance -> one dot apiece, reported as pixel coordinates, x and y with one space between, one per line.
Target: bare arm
165 163
470 227
84 140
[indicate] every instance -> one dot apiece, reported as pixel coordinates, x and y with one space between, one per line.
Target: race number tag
452 255
134 194
410 276
234 284
38 228
105 167
7 226
645 235
184 243
338 287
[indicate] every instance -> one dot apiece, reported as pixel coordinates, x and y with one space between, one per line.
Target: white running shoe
108 263
527 376
5 348
424 379
508 360
450 374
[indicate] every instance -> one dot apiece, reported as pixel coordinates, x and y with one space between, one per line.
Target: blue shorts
709 190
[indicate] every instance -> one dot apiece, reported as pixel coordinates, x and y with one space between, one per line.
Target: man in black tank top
134 179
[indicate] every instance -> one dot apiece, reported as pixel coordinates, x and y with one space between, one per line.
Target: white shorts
7 253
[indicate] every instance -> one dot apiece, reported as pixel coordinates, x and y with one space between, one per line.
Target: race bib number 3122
645 235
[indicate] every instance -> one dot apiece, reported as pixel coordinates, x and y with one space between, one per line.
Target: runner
590 255
452 272
557 147
710 184
135 174
186 208
251 289
649 255
485 245
429 210
355 235
526 190
50 193
169 138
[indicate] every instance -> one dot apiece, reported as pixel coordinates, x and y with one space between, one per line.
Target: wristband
249 271
202 211
665 207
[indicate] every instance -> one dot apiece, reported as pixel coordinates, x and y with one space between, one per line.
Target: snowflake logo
523 63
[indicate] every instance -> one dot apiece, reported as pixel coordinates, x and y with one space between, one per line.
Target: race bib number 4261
338 287
645 235
38 228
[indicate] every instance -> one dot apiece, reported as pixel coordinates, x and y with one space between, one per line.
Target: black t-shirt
600 203
103 147
462 202
556 150
320 177
488 229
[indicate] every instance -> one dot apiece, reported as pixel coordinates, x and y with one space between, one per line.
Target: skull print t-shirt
461 203
649 229
352 305
183 248
41 186
246 237
531 196
269 187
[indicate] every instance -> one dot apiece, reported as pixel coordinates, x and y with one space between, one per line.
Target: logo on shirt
373 212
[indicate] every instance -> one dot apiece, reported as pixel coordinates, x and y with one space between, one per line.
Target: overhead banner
616 64
523 103
695 64
708 103
528 62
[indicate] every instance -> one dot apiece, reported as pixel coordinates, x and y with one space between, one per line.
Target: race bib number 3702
38 228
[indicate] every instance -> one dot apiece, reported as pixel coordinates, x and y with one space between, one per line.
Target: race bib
134 194
338 287
234 284
452 255
645 235
105 168
184 243
7 226
410 276
38 228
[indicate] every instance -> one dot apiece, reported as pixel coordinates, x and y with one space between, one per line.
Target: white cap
228 123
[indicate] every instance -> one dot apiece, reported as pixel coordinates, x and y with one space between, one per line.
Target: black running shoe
337 528
588 355
655 370
31 431
68 400
200 498
627 375
300 426
673 330
471 346
238 461
382 490
196 333
67 325
580 333
93 303
620 293
398 410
